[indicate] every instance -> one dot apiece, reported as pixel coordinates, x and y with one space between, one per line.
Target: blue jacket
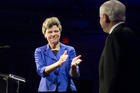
60 78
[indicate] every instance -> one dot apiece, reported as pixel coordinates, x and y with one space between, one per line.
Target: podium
5 82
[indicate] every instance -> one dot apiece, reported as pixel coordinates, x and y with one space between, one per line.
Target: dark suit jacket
118 68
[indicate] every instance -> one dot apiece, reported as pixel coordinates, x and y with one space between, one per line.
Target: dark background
20 33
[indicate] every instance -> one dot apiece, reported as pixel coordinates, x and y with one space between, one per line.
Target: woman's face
53 35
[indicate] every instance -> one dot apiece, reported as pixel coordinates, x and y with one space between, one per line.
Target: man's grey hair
114 9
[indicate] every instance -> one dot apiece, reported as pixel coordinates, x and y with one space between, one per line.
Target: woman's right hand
63 58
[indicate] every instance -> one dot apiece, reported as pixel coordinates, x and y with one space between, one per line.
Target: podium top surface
12 76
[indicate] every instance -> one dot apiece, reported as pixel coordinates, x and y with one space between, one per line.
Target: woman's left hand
76 61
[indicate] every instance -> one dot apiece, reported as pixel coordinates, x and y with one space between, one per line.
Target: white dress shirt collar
112 28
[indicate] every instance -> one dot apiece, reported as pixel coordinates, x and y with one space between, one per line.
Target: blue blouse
58 80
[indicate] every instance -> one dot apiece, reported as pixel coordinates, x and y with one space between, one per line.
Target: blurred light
5 46
65 40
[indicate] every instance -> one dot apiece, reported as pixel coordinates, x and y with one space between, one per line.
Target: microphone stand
5 78
17 87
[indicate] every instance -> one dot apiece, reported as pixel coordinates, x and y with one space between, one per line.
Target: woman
56 63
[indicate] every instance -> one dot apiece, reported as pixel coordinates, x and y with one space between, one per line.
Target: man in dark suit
118 68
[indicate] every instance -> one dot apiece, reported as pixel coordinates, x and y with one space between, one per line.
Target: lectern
5 80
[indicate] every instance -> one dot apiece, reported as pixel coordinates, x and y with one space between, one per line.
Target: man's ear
106 18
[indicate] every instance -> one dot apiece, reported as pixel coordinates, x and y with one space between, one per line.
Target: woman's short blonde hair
49 22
